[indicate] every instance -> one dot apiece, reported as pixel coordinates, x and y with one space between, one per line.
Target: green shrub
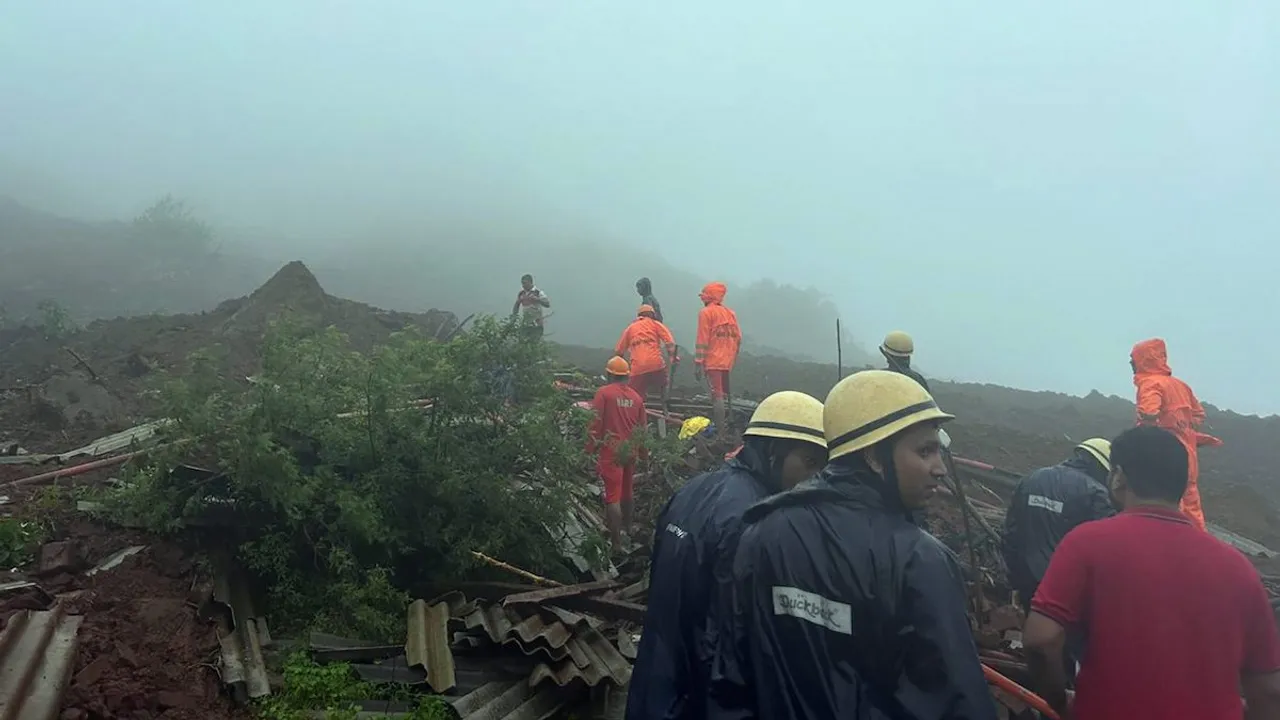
343 493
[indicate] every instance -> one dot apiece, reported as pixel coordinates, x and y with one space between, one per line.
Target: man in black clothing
645 290
840 606
897 348
1049 503
782 445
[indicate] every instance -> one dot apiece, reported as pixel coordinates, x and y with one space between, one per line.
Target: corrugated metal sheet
37 654
1240 542
516 700
574 646
241 634
427 645
102 446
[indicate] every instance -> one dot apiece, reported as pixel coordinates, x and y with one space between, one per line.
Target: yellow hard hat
617 367
897 344
1100 449
693 426
873 405
789 415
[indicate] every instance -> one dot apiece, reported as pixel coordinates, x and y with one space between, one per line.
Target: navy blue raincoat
693 541
841 607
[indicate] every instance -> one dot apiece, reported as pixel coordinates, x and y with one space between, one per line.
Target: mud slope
1021 430
57 393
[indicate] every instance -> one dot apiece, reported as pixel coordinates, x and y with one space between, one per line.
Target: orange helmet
617 367
645 309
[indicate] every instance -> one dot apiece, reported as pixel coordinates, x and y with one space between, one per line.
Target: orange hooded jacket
643 340
719 336
1167 402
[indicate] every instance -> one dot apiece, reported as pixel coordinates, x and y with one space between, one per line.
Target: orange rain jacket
644 340
719 336
1167 402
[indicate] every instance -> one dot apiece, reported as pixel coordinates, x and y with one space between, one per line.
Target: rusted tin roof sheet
37 654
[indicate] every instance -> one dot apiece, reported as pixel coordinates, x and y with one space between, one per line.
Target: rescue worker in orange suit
896 349
719 339
644 343
619 411
1167 402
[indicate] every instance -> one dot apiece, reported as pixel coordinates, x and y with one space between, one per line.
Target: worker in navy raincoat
840 606
783 444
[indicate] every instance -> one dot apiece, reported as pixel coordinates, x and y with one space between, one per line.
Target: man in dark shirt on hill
1175 622
644 288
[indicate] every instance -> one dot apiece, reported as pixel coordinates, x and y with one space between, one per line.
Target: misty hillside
168 261
592 291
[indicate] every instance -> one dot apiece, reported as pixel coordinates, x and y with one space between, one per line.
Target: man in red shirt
1174 622
619 411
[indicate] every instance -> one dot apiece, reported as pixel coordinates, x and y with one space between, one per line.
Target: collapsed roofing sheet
102 446
570 646
37 654
516 700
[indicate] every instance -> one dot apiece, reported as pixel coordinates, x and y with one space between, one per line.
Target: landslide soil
57 394
1020 431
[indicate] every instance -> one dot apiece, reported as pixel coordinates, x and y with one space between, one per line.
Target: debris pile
57 391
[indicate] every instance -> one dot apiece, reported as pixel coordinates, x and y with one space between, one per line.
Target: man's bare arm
1044 640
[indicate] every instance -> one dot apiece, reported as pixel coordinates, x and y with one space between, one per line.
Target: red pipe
73 470
973 463
1016 690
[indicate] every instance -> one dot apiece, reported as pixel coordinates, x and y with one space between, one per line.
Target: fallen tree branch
537 579
93 373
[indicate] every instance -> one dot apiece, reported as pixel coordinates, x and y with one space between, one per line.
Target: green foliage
344 488
335 691
169 226
55 320
19 540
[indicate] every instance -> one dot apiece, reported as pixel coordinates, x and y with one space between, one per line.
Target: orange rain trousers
1174 407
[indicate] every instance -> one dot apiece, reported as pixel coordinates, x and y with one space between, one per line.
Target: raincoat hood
644 286
1150 357
758 456
713 293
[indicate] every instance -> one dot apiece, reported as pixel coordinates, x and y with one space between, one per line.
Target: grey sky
1028 188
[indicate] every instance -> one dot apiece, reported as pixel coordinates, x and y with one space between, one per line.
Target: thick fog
1027 188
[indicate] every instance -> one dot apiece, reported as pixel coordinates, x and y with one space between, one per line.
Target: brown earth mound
59 393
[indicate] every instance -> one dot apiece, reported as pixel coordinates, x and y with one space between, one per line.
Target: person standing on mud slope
1175 622
643 344
1165 401
692 553
841 607
896 349
530 301
619 411
716 349
645 289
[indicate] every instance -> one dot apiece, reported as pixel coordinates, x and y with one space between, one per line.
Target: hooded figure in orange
644 343
719 339
1167 402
